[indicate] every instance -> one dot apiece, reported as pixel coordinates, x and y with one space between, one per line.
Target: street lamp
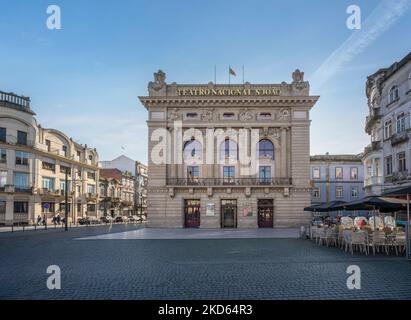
66 200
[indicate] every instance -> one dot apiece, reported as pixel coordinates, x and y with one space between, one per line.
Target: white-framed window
354 173
393 95
316 173
354 192
48 183
401 160
387 129
339 192
316 193
400 122
339 173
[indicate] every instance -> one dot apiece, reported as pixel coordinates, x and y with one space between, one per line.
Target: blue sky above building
85 78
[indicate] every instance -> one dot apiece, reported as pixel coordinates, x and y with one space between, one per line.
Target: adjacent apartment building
117 193
199 140
336 178
387 160
33 164
130 170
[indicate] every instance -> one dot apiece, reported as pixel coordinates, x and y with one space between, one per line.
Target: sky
85 79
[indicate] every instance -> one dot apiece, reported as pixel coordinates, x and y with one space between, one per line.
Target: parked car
107 219
126 219
118 219
88 221
135 218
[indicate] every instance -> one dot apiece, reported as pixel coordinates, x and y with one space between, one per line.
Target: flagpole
243 74
215 74
229 75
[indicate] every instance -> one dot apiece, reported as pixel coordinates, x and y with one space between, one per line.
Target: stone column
283 161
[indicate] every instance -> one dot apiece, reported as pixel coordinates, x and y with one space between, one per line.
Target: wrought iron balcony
10 139
399 138
374 116
210 182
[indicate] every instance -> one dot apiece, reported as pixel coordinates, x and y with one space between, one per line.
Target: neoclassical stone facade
33 163
201 180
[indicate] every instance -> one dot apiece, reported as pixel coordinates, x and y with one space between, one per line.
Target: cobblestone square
265 268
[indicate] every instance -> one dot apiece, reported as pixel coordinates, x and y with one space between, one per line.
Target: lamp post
66 200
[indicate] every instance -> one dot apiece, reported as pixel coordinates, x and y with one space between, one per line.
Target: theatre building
228 156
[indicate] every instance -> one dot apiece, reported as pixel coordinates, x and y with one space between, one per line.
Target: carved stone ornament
298 80
284 114
274 133
159 83
208 115
246 115
174 115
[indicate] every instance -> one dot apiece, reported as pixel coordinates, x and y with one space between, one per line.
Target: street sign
46 205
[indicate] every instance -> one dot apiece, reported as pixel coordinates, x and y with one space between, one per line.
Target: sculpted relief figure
246 115
158 86
174 115
298 81
208 115
284 114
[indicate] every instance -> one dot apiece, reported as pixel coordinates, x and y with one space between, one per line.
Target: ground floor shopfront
25 208
261 209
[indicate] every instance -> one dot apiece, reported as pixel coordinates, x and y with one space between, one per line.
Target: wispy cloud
380 20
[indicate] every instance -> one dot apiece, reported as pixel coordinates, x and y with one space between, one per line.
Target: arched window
229 148
266 149
393 94
192 149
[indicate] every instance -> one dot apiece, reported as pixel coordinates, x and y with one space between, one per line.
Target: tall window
3 178
316 193
3 134
338 173
91 175
316 173
387 129
266 149
354 192
22 137
21 180
388 165
193 173
21 207
48 145
63 186
22 158
393 94
229 174
3 156
192 149
91 188
354 173
229 149
401 161
264 174
48 183
339 192
64 149
401 123
2 207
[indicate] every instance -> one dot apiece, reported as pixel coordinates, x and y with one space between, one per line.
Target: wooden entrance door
228 213
265 208
191 213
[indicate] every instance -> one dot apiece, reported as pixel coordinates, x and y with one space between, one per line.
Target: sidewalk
52 227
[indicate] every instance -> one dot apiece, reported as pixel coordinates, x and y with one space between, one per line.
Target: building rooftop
14 101
337 157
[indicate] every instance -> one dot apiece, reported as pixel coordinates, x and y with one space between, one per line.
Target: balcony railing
10 139
229 182
11 98
374 180
374 146
370 120
400 137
